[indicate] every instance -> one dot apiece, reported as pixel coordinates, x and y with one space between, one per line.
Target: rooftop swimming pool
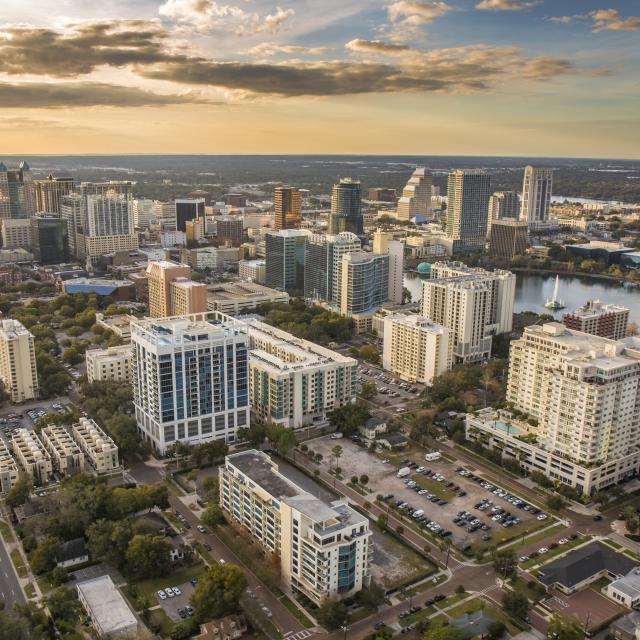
507 428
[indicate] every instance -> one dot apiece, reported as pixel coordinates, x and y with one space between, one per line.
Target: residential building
323 264
508 238
72 553
9 473
32 456
236 298
364 282
383 242
49 192
143 212
111 364
467 209
165 215
285 259
195 230
18 361
65 453
253 271
99 449
171 290
416 349
474 303
16 233
295 382
346 208
287 208
71 213
626 589
228 628
190 379
17 192
627 627
416 196
212 258
536 195
187 209
600 319
502 205
119 324
373 428
381 194
230 230
324 550
49 239
106 608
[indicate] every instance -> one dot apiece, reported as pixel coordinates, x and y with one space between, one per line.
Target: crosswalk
300 635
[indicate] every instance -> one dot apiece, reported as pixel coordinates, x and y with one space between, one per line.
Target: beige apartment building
96 445
112 364
66 454
164 295
16 233
32 456
9 472
119 324
187 297
18 361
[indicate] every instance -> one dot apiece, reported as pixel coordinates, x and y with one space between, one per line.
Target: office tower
188 210
536 195
416 196
508 238
143 212
190 379
364 283
346 208
16 233
230 230
49 192
323 262
287 208
604 320
285 258
99 449
171 290
200 194
18 361
17 192
253 271
195 230
49 239
325 550
474 303
503 204
32 456
380 194
467 209
235 200
71 213
165 215
113 363
416 349
66 455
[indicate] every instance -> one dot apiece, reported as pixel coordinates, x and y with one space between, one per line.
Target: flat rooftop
108 607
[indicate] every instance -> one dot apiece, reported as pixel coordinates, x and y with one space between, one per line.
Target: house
472 624
394 441
626 590
227 628
72 553
585 565
448 419
373 428
627 627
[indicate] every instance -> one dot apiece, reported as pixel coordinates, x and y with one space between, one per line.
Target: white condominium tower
295 382
416 349
416 196
324 550
474 303
383 242
18 361
190 377
536 195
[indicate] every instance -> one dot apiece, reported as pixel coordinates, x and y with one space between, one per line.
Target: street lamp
345 628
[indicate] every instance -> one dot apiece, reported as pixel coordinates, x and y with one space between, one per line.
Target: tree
283 438
147 556
564 628
348 418
336 454
555 502
364 479
460 589
332 615
496 630
64 607
368 390
210 488
371 597
43 558
59 576
213 516
516 604
218 592
383 520
448 632
19 493
354 479
504 562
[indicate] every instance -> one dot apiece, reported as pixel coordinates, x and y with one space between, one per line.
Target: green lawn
451 600
287 602
426 585
541 535
19 564
30 590
521 585
417 617
149 587
5 531
158 619
481 603
552 553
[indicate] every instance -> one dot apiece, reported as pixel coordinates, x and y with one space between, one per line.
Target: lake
532 291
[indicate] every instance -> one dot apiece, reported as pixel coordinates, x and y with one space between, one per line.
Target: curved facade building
346 208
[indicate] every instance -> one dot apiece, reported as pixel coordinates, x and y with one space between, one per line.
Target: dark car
597 518
429 602
379 625
182 613
439 597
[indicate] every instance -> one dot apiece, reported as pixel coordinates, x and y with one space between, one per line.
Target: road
10 590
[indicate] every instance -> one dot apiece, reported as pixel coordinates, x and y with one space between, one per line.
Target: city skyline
468 77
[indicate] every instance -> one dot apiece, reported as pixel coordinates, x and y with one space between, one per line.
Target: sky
455 77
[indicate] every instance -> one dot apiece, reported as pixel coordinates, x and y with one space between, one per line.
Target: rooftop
416 321
629 584
107 605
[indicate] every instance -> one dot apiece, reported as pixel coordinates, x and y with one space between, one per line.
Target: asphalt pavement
10 590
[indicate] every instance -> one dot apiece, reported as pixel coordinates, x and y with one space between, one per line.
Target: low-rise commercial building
252 271
325 550
113 364
236 298
599 250
97 446
32 456
626 589
9 472
67 457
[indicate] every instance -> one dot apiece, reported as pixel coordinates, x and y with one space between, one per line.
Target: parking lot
176 599
24 417
391 391
445 496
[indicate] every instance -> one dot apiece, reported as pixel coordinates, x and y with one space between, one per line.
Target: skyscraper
17 192
285 253
416 196
288 208
143 212
468 194
188 210
230 230
383 243
536 195
172 292
18 361
49 239
508 238
346 208
364 282
50 191
503 204
71 213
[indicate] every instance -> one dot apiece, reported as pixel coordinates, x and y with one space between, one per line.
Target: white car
169 592
201 529
542 516
162 595
177 591
542 550
223 561
523 558
563 540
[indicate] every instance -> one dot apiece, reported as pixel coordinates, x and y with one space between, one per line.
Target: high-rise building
49 239
324 550
475 304
171 290
468 194
235 200
383 243
17 192
165 215
287 207
230 230
364 283
253 271
323 264
346 208
16 233
381 194
285 253
188 210
415 348
416 196
71 213
49 192
508 238
190 379
503 204
18 361
605 320
536 195
143 212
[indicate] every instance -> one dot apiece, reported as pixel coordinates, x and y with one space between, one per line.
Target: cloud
562 19
269 49
504 5
376 46
44 95
610 19
416 13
